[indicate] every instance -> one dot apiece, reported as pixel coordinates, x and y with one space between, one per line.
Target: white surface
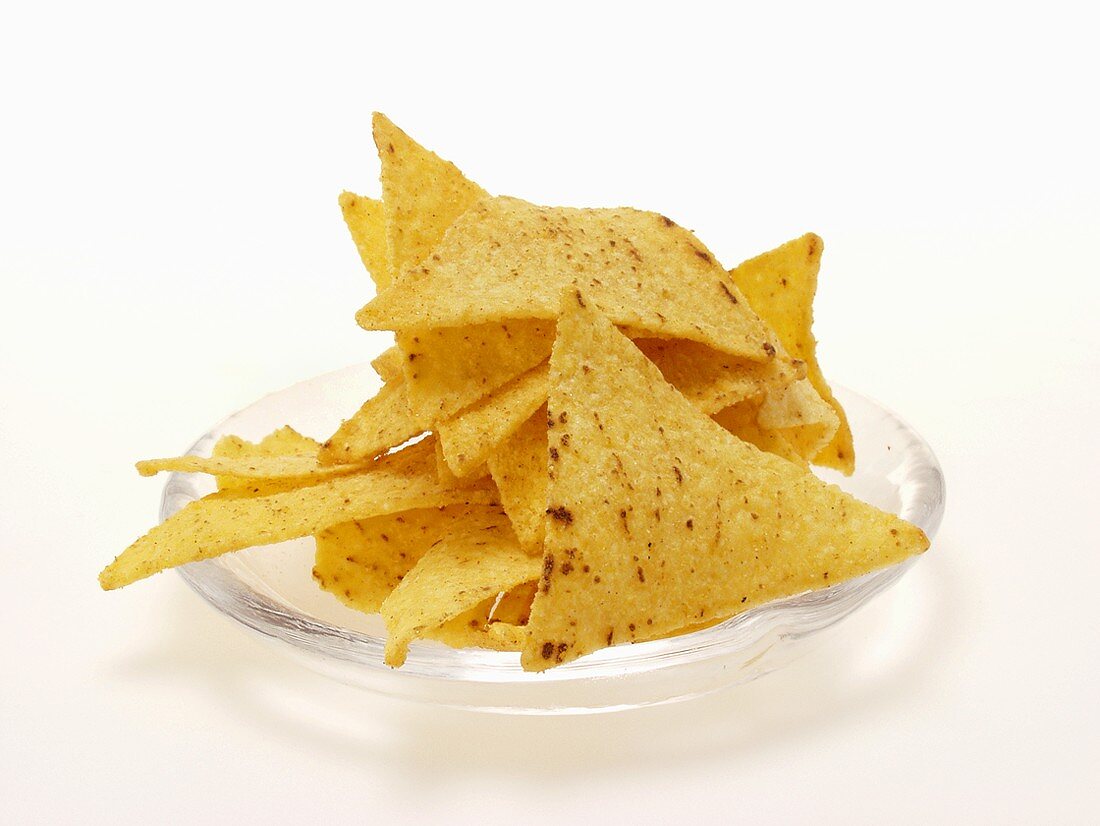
170 249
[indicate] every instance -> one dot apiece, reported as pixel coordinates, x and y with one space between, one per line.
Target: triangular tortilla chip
445 369
216 524
472 563
382 423
469 437
780 286
659 518
422 194
361 562
367 225
449 369
506 258
518 466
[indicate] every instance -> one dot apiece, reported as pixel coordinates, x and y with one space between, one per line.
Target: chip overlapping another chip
508 258
659 518
780 285
215 525
383 422
615 433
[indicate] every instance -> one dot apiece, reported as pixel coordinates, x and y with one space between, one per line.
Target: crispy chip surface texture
506 258
519 467
449 369
659 518
383 422
216 525
422 194
469 437
361 562
445 369
389 364
460 571
780 285
367 225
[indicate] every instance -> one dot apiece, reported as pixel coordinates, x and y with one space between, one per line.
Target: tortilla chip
518 467
807 422
712 380
444 474
361 562
445 369
780 285
740 420
285 441
660 519
459 572
389 365
473 629
449 369
383 422
248 467
422 194
469 437
506 258
514 607
216 525
366 222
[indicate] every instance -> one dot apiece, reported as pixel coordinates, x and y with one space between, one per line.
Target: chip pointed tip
396 652
814 245
365 317
108 578
385 132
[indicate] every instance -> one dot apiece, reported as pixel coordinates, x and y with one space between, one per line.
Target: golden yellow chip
514 607
447 477
506 258
740 420
780 285
361 562
518 466
447 370
473 629
459 572
286 441
660 519
255 467
422 194
216 525
807 421
712 380
389 365
469 437
383 422
366 222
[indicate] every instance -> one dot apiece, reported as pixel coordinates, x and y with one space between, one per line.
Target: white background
171 249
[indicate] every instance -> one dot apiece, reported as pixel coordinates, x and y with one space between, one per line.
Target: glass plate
270 589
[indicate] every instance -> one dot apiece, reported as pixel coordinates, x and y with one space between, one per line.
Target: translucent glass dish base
270 589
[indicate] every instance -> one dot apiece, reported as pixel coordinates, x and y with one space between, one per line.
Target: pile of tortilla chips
589 432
